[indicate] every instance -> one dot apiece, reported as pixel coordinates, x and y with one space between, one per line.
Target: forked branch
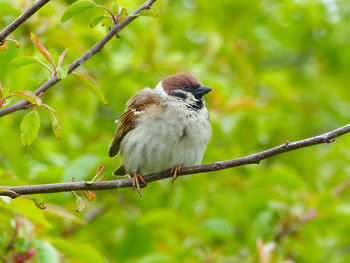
23 104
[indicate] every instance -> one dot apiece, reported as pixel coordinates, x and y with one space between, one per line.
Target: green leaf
123 11
75 8
45 252
23 61
148 12
107 22
114 7
218 227
29 96
26 207
91 85
54 121
62 72
29 127
77 252
95 21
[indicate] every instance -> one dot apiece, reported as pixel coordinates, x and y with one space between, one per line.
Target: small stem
50 109
54 66
110 12
46 106
9 96
47 67
3 101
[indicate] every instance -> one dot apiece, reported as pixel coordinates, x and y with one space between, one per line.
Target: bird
163 128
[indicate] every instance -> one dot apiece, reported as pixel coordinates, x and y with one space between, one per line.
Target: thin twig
341 187
110 12
293 224
23 104
114 184
22 18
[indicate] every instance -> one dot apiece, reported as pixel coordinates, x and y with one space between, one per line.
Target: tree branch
22 18
328 137
23 104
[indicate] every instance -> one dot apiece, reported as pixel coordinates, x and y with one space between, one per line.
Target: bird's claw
136 182
174 172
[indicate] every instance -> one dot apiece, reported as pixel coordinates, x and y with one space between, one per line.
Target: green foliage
75 8
279 71
151 13
30 126
78 251
45 252
26 208
23 61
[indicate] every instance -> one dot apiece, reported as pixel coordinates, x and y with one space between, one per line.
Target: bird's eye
186 86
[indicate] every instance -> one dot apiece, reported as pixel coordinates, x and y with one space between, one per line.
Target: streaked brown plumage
162 128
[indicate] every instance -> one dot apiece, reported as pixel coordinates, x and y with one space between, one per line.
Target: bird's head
185 87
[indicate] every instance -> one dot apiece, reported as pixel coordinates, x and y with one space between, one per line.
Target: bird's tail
120 171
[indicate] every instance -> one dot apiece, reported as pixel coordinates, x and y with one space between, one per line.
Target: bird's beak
202 90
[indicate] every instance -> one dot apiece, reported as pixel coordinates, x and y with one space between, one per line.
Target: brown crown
176 81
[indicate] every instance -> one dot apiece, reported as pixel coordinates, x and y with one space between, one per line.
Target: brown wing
127 121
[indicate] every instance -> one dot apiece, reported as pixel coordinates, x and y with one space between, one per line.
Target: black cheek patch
179 94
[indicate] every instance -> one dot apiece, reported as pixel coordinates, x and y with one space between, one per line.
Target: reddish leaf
29 96
42 49
4 47
15 42
90 196
62 57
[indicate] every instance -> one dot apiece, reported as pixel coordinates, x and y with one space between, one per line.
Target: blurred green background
279 71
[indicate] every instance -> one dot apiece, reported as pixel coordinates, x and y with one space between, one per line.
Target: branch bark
23 104
328 137
22 18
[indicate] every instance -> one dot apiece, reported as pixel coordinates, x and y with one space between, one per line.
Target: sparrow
162 128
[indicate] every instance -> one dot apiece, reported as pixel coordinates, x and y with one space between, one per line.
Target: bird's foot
174 171
136 182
